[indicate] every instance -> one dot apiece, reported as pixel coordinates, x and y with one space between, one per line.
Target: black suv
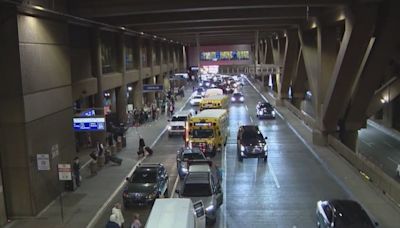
265 110
148 182
251 143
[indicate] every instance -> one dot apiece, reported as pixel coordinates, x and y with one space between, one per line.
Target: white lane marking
388 144
366 143
174 187
96 217
311 149
224 163
274 176
392 160
86 164
251 119
247 109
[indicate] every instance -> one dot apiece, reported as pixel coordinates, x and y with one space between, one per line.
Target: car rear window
196 190
179 118
144 177
193 156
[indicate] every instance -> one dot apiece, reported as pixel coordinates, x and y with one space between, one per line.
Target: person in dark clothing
110 139
141 146
77 173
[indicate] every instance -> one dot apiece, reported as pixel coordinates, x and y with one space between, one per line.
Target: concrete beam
126 7
299 81
358 33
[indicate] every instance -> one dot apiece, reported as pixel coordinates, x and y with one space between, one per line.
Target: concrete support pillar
97 68
137 89
198 49
138 86
299 82
356 39
349 138
121 92
97 72
388 115
289 62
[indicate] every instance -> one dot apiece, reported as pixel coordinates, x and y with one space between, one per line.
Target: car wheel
240 158
166 193
265 159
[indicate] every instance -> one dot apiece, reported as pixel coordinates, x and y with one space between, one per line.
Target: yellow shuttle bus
214 102
208 130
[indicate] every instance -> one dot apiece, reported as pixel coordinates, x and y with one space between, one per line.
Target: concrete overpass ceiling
175 19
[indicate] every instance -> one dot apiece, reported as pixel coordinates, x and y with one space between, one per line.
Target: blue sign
147 88
89 124
88 113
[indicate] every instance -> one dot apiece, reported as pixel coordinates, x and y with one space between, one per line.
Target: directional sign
147 88
88 113
89 124
64 172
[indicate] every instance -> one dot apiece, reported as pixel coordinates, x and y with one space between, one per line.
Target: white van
213 92
176 213
178 122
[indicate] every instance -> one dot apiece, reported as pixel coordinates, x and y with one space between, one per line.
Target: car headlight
232 99
200 84
266 148
241 148
169 127
191 101
210 208
185 170
241 98
151 196
273 113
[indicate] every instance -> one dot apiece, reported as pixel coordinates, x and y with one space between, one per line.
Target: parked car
147 183
203 183
251 143
265 110
184 156
342 213
237 97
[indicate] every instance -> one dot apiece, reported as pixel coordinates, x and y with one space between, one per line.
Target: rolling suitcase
116 160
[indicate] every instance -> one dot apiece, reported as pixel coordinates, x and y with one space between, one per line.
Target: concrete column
97 68
198 49
388 115
97 73
349 138
151 96
289 62
138 86
256 47
121 92
360 28
36 91
299 82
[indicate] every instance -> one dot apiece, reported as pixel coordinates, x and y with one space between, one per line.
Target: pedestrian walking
136 222
117 211
77 173
112 222
141 146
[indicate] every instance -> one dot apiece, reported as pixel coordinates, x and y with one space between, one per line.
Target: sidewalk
383 210
80 206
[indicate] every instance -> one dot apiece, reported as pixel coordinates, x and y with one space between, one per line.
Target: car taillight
125 194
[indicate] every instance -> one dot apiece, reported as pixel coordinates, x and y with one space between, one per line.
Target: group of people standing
117 219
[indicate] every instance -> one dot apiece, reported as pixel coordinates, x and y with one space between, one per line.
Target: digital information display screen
89 124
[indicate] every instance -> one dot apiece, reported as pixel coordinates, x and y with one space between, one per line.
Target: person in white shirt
117 211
